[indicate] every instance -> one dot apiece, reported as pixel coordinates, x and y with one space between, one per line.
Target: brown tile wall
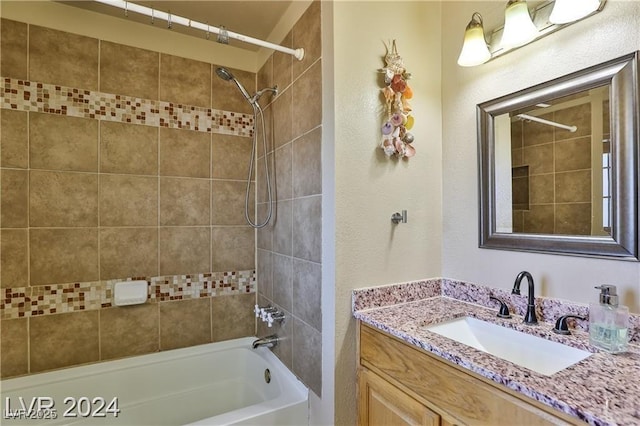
559 174
86 200
289 248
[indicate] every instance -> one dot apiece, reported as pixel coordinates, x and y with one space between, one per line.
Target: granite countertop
603 389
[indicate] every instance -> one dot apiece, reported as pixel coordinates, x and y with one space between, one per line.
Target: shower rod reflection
547 122
171 19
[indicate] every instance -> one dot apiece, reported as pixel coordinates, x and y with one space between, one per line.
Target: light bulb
565 11
474 49
518 26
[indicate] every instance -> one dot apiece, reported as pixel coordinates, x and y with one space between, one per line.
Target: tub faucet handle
265 311
259 310
274 316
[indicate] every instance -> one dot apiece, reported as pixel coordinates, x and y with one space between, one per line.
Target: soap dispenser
608 321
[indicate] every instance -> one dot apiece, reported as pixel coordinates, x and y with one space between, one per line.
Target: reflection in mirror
558 157
558 164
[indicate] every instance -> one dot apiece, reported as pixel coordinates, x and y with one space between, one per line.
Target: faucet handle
562 327
504 309
265 311
269 320
274 316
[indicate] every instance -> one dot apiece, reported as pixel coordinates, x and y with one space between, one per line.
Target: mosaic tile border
22 302
23 95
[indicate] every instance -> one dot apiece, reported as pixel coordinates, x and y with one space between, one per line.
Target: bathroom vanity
399 384
409 374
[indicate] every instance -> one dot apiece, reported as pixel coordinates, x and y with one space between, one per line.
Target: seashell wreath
396 139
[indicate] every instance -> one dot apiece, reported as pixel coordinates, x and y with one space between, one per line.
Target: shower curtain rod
223 33
547 122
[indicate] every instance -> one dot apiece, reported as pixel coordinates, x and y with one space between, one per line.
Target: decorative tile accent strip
16 302
177 287
32 96
393 294
20 302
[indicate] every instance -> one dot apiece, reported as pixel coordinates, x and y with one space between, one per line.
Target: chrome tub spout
267 342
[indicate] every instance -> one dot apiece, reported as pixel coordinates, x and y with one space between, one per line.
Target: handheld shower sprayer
226 75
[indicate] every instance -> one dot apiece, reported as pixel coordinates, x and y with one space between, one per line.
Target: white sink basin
535 353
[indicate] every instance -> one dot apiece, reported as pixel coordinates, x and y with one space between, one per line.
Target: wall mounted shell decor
397 141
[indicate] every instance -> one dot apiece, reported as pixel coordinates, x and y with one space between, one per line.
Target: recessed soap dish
130 293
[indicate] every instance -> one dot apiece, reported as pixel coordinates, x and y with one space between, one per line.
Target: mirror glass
558 164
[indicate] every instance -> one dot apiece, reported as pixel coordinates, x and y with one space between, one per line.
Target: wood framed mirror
558 164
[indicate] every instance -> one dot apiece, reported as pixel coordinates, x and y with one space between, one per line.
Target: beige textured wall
610 34
369 187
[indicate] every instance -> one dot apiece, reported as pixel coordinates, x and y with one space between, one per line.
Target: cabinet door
382 404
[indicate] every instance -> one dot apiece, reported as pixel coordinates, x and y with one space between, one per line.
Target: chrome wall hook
399 217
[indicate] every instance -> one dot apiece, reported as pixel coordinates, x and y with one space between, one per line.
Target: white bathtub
215 384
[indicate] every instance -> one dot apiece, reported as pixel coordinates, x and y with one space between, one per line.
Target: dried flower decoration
396 140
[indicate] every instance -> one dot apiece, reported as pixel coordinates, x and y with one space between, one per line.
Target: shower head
226 75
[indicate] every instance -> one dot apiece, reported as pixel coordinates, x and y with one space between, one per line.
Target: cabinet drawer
458 393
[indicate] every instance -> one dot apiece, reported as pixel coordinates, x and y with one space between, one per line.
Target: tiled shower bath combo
119 163
113 178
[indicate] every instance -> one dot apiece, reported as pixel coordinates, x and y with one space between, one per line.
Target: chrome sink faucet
530 317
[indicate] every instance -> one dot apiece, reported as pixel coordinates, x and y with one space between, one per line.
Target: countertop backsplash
392 294
547 309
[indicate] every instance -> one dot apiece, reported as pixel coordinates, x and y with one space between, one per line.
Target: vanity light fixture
521 26
519 29
474 49
565 11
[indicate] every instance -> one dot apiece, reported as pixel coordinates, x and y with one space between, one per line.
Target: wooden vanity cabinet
399 384
381 403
